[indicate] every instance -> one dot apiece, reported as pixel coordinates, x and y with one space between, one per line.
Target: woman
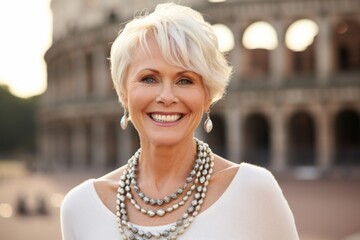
168 71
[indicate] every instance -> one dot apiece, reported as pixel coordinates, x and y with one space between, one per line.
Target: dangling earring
124 120
208 125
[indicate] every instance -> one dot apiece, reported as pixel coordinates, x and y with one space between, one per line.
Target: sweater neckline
202 214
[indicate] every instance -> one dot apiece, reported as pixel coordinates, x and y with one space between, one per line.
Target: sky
25 36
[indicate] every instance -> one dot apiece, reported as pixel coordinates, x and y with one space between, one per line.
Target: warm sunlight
260 35
225 37
25 36
301 34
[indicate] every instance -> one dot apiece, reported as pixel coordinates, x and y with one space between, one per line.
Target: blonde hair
185 40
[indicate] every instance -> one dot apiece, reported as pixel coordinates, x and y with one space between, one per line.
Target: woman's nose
167 95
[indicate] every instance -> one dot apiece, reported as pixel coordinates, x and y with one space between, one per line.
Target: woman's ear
208 100
208 104
123 99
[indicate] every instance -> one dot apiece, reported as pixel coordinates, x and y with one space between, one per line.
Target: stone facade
283 109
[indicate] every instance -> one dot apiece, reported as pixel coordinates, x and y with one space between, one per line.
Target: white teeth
165 118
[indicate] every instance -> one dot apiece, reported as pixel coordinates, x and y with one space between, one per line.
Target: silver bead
156 235
173 228
150 213
160 212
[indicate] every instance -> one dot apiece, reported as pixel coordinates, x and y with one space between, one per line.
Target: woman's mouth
165 118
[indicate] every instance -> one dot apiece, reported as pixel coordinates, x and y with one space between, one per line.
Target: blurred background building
294 99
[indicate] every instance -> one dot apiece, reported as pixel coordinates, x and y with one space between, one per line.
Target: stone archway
256 140
347 45
258 51
301 50
347 137
301 130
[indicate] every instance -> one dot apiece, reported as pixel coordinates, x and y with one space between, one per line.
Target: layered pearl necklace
198 179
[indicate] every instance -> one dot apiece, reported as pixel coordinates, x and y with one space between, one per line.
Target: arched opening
343 53
256 140
302 140
259 39
225 37
347 45
299 39
259 63
304 62
347 137
216 139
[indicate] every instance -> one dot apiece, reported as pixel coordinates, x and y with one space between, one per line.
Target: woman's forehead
148 55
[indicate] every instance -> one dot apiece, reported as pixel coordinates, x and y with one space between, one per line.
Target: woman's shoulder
226 168
77 193
109 181
106 187
255 174
222 165
224 172
76 201
243 174
257 180
90 190
90 187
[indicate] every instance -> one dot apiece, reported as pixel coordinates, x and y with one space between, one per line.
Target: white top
251 208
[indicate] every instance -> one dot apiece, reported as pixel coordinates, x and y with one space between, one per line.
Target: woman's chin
168 138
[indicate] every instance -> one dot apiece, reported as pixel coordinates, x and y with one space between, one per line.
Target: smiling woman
168 71
25 36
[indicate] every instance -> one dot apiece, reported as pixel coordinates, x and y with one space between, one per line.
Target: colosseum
284 109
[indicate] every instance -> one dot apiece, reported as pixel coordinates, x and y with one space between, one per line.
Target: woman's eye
148 80
185 81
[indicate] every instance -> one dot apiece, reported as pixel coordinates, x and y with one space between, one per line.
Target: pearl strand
161 212
188 216
133 162
166 199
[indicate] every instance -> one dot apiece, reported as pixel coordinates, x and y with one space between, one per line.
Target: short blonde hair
185 40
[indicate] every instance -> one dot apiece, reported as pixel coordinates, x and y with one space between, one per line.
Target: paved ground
324 209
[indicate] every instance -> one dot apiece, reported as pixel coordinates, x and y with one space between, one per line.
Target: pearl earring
208 125
124 120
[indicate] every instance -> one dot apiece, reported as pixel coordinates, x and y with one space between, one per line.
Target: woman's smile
166 117
166 102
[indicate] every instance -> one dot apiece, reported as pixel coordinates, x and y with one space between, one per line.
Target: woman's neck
162 166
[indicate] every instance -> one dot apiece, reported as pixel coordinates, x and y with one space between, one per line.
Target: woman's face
166 103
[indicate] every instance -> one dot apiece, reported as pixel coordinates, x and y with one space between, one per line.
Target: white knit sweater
252 208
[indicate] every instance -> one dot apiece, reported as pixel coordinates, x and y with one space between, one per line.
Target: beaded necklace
166 199
200 176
